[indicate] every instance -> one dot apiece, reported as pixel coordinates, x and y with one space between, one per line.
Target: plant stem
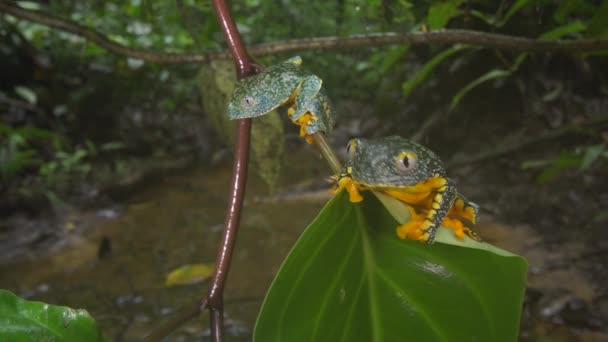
328 153
244 67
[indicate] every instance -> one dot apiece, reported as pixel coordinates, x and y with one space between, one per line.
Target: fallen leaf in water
189 274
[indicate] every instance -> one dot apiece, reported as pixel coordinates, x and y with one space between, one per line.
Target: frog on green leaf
414 175
284 84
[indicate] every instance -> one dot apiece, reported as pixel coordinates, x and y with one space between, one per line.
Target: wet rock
31 293
563 307
110 213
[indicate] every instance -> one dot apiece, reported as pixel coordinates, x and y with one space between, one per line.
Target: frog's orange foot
349 185
459 229
463 209
309 139
413 229
303 121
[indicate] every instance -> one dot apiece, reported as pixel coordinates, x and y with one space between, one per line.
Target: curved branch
439 37
244 67
50 20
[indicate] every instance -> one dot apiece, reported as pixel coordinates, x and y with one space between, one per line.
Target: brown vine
440 37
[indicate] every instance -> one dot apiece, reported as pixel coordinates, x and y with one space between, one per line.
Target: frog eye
406 161
351 147
248 101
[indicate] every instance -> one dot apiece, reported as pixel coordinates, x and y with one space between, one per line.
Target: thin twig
244 67
439 37
328 153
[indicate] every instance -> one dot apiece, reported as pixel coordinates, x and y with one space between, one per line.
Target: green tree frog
284 84
414 175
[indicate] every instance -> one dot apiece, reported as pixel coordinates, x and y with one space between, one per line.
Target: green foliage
440 13
597 27
22 320
569 20
488 76
16 149
14 156
64 165
518 5
428 68
350 278
26 152
582 158
27 94
563 30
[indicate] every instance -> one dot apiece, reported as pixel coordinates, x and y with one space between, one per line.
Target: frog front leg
423 227
303 111
322 116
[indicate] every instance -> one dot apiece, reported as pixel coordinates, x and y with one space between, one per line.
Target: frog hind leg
462 217
424 227
464 208
460 228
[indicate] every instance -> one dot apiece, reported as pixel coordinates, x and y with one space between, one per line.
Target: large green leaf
22 320
349 278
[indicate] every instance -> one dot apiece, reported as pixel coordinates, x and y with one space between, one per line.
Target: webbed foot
463 208
459 229
411 230
349 185
414 229
303 121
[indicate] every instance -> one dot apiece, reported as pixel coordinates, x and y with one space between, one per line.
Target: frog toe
412 230
464 208
347 184
459 229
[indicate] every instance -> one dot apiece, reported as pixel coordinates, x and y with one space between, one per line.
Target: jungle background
115 170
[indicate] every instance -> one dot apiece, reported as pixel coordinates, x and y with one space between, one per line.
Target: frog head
261 93
391 162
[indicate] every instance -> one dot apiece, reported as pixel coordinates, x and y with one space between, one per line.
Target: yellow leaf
189 274
69 226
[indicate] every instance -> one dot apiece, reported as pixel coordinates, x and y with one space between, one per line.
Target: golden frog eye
248 102
350 148
406 160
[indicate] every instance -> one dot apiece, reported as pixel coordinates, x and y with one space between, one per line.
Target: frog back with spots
264 92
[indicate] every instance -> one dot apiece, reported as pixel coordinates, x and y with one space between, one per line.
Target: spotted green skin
374 164
273 87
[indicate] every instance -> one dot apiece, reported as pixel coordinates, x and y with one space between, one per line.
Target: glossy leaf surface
349 278
22 320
